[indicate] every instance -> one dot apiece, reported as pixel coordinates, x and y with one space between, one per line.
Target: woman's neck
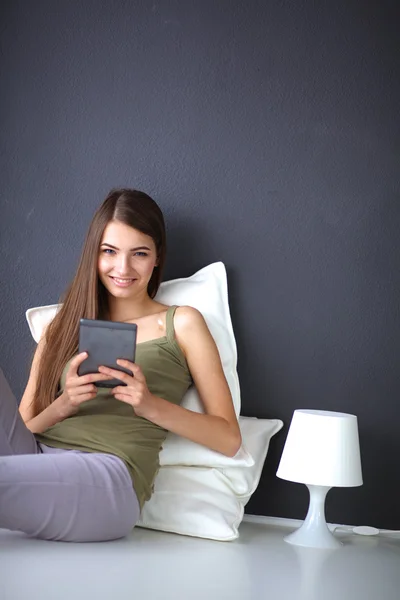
121 309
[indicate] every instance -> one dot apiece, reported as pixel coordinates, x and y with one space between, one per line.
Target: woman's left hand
135 392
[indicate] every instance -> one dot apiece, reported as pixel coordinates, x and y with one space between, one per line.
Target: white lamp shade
322 448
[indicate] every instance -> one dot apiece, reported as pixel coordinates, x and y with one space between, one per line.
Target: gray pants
56 494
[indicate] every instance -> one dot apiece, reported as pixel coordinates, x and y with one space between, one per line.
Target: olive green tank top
107 425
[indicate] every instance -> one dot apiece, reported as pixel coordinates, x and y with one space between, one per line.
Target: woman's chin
131 291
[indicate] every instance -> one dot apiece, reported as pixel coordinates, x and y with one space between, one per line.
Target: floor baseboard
284 522
278 521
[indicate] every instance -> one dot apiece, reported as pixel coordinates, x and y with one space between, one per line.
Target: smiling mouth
121 281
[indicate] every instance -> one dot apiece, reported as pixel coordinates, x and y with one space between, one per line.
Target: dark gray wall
269 134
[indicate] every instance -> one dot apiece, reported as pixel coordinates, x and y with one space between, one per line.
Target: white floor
150 565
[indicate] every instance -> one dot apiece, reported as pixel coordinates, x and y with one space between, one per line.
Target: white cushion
209 502
206 290
39 317
193 501
181 451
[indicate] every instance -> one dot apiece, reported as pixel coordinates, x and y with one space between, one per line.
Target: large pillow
209 502
206 290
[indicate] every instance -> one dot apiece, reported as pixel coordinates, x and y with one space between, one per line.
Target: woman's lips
122 282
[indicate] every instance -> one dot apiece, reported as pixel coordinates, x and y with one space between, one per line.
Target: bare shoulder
191 330
187 319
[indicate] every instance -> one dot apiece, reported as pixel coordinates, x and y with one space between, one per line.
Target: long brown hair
86 296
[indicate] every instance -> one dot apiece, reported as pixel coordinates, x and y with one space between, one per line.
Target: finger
124 398
90 377
75 362
120 389
136 370
128 364
116 374
85 389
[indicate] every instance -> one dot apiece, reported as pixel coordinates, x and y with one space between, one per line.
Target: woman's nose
123 265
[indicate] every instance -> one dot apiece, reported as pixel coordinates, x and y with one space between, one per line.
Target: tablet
105 342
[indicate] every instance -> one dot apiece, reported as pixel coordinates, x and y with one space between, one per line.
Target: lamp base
314 532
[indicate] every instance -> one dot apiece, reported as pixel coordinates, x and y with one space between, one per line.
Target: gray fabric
56 494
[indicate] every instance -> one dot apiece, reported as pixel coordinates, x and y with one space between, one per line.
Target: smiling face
126 260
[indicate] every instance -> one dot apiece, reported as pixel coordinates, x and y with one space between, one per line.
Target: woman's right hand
77 389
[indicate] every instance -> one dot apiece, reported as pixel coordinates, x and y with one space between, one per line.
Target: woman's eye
110 251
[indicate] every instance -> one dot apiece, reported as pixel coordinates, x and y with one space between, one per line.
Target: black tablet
105 342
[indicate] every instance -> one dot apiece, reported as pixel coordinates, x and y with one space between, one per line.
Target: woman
81 462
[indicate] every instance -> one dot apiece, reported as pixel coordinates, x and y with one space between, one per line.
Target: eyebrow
131 250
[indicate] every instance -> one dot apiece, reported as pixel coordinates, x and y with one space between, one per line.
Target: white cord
367 530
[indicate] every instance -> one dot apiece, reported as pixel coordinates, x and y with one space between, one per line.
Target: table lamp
322 450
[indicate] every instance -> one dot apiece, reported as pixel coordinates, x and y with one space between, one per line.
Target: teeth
122 280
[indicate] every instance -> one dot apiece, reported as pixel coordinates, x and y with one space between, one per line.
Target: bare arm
215 432
218 428
49 416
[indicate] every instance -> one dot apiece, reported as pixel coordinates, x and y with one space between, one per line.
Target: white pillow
206 290
181 451
39 317
256 434
209 502
193 501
